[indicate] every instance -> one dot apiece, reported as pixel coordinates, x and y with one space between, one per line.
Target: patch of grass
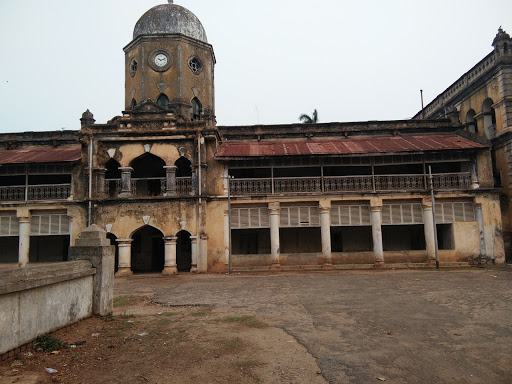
169 314
121 301
48 343
247 364
164 322
248 321
130 316
233 345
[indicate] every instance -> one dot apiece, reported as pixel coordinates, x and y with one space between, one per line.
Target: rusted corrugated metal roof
348 146
41 155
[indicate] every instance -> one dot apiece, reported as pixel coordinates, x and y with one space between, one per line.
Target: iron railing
35 192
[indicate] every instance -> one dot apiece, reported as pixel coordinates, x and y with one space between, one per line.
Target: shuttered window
9 225
242 218
299 217
49 224
452 211
402 214
350 215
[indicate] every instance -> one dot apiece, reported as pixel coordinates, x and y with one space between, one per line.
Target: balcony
147 187
47 192
357 184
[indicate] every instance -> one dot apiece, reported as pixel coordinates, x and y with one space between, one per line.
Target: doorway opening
184 252
147 250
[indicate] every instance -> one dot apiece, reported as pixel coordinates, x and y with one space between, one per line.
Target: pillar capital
170 239
274 208
126 169
194 239
124 242
426 204
24 219
325 210
324 204
376 208
170 168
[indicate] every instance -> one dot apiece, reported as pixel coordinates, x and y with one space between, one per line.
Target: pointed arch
489 117
112 177
148 175
196 109
163 100
184 167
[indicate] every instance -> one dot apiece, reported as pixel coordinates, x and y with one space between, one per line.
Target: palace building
336 195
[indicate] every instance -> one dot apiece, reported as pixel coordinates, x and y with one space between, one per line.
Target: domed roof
170 18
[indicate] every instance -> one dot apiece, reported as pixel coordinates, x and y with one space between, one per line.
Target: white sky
351 60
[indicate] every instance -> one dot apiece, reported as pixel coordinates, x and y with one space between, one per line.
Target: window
163 101
196 110
195 65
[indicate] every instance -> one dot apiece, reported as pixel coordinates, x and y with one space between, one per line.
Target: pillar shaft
170 267
193 239
428 225
125 257
24 241
126 181
226 238
170 181
325 222
378 249
274 213
481 229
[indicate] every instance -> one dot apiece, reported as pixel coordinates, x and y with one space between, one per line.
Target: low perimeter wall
42 298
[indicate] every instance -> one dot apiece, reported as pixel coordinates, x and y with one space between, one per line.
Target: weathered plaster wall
39 299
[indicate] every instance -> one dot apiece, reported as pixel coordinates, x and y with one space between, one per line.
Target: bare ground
149 343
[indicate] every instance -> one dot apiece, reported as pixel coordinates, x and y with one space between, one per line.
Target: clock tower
170 62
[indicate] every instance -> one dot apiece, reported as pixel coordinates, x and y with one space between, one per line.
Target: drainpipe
89 218
200 190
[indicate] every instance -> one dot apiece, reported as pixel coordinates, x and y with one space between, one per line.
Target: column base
194 269
379 264
327 265
123 195
168 271
170 194
431 262
122 272
275 267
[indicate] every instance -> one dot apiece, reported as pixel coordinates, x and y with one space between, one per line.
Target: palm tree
306 119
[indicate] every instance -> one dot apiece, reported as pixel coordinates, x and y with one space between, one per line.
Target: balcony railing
142 187
364 183
35 192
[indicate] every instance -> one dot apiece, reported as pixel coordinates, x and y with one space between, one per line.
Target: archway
112 178
470 121
184 252
148 174
147 250
163 101
196 110
489 116
113 242
184 167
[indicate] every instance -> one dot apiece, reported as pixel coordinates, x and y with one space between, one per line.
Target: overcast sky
351 60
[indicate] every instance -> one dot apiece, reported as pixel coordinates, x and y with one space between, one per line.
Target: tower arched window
470 121
184 167
163 101
489 117
196 110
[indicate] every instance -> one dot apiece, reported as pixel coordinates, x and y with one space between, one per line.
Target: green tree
306 119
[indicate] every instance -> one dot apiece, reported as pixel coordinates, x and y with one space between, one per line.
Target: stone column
474 175
125 257
24 241
170 181
226 239
126 181
193 239
195 180
481 230
325 222
170 267
100 182
378 249
274 215
428 225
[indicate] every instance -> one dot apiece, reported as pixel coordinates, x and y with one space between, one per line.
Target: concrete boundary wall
42 298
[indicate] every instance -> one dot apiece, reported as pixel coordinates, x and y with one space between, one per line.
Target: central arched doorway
184 252
147 250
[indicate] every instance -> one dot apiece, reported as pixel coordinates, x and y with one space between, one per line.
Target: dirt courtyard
336 327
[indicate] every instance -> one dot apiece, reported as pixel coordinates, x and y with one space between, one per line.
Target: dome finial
171 1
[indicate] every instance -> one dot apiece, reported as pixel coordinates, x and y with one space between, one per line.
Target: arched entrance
113 242
147 250
184 252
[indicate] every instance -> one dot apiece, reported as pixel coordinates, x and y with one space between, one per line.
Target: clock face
161 60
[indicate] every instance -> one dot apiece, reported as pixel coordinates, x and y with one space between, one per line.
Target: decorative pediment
148 106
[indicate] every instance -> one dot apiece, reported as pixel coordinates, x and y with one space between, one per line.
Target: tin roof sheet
41 155
370 145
